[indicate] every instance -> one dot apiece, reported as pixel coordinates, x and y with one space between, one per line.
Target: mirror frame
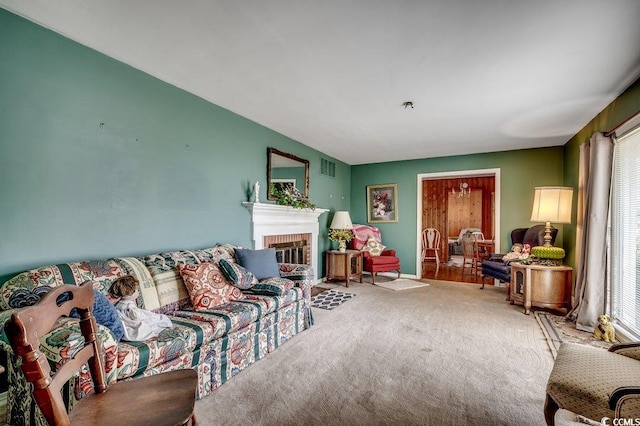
271 151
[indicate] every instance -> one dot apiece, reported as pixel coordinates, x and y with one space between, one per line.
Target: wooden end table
541 286
344 265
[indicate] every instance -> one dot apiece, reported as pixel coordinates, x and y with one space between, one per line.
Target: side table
541 286
344 265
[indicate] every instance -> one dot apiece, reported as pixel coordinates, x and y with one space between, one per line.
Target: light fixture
407 104
340 229
551 204
465 190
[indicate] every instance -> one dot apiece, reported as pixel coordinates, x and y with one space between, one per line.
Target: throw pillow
104 313
262 263
373 247
237 275
273 286
207 286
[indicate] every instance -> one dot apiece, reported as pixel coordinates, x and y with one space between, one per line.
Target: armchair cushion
584 378
373 247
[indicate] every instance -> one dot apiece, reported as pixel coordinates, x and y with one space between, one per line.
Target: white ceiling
484 76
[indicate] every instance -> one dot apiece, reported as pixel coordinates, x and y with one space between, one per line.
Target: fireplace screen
291 252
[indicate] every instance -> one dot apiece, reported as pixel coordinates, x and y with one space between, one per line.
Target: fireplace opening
290 248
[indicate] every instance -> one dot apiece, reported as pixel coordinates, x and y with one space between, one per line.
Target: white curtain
594 186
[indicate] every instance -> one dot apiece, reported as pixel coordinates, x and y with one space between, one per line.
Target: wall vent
327 167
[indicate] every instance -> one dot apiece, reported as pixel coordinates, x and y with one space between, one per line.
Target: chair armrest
388 252
619 395
496 257
631 350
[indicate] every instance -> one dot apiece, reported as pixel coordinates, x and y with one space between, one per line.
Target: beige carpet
447 354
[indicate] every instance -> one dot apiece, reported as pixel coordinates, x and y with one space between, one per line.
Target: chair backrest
362 233
478 235
431 238
534 236
469 248
28 325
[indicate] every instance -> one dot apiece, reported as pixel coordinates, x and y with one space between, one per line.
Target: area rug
401 284
558 329
330 299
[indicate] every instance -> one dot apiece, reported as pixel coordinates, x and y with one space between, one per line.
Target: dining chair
431 245
471 256
162 399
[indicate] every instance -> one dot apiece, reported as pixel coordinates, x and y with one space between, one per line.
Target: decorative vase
342 246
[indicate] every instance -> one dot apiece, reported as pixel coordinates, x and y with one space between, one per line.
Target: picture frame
382 203
281 184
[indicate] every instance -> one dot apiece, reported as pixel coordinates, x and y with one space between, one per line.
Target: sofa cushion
275 286
262 263
237 275
207 286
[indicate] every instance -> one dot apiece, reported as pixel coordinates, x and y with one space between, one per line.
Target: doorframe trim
495 172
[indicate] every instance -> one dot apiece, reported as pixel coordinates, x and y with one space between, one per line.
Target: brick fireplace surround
272 223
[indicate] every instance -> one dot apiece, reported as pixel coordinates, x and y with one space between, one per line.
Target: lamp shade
341 220
552 204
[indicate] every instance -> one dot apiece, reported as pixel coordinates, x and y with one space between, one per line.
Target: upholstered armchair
595 383
376 257
495 267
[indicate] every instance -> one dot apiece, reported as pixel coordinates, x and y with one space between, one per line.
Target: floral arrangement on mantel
342 236
291 196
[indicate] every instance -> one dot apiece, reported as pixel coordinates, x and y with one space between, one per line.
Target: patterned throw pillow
207 286
273 286
373 247
237 275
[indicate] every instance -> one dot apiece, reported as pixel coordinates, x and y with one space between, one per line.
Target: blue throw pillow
105 313
261 263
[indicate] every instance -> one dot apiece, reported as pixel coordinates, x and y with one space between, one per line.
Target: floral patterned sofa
217 343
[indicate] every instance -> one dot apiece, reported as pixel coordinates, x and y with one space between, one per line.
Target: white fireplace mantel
274 219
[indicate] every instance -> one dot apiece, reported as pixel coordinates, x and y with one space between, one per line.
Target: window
625 233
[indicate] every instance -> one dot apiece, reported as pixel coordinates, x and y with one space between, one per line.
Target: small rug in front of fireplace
330 299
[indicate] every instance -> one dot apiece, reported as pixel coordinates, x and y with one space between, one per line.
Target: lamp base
342 246
547 235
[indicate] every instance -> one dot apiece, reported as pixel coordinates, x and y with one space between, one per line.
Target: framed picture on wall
382 203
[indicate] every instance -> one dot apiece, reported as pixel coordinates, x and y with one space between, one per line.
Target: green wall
623 107
521 171
99 159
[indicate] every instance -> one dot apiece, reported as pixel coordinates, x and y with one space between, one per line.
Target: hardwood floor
451 273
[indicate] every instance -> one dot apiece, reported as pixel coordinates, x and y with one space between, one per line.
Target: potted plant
342 236
291 196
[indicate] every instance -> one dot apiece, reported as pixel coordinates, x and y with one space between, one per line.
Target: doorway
454 202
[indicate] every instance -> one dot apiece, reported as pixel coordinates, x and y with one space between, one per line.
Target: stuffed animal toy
604 330
139 324
514 254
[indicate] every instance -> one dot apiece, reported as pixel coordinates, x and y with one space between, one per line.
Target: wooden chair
163 399
470 254
431 245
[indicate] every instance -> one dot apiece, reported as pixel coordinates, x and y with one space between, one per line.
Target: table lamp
551 204
340 229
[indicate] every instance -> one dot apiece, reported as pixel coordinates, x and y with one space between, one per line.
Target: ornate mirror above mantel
286 169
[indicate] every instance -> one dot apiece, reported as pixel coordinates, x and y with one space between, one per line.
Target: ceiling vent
327 168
